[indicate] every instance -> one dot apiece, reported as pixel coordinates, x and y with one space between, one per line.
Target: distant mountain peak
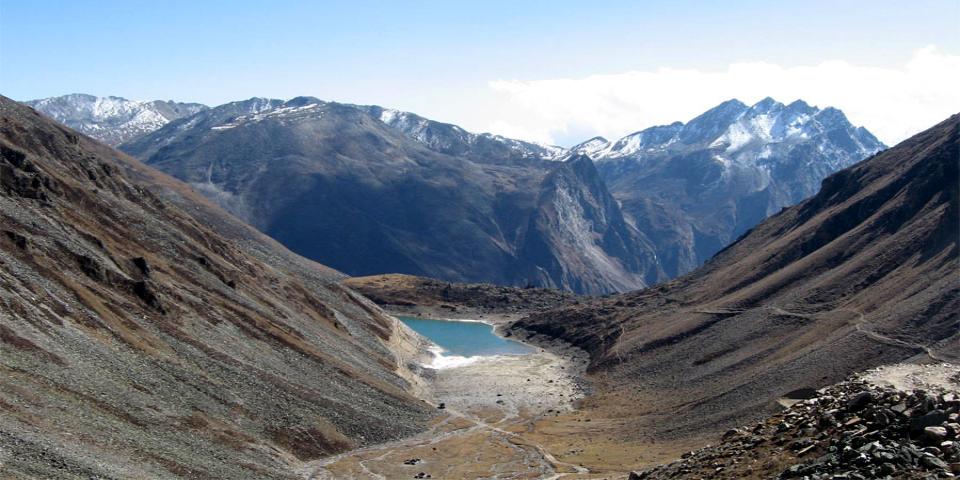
452 139
712 123
695 187
766 105
799 105
303 101
732 126
591 147
596 139
832 116
112 119
733 104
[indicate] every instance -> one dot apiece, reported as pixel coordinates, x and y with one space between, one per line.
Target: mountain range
369 190
335 183
112 120
693 188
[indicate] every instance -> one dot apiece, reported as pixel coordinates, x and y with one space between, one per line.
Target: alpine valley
267 284
278 289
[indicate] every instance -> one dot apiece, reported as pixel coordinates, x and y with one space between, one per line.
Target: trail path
860 324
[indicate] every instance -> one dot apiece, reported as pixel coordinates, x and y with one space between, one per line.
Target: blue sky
477 64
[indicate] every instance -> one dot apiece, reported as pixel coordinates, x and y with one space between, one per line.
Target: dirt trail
860 325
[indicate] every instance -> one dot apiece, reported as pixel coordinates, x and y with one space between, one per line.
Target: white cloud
891 102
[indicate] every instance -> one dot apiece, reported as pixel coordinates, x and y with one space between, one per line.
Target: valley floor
504 417
540 416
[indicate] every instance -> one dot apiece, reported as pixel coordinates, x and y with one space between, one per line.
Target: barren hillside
147 334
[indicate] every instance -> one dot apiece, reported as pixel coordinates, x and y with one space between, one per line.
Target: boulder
934 435
860 401
933 418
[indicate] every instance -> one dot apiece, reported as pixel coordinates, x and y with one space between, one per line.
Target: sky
554 71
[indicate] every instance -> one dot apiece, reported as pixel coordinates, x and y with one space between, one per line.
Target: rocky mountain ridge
453 140
693 188
112 120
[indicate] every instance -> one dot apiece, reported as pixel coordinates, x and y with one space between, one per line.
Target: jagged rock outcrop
145 333
591 247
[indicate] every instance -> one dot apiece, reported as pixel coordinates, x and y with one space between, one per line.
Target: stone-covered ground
858 429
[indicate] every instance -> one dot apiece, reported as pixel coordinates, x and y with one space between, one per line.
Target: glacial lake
463 342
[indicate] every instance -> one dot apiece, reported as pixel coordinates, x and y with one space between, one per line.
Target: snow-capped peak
766 105
591 147
740 135
112 119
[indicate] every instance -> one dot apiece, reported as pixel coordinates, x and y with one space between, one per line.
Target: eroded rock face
592 247
19 176
148 334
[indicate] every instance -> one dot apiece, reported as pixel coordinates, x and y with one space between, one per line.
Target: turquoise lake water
465 339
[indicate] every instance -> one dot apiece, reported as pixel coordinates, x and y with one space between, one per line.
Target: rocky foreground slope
854 430
147 334
861 274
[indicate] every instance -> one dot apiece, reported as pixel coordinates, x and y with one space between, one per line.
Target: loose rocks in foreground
852 430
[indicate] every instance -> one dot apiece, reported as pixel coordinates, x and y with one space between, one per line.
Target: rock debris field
863 428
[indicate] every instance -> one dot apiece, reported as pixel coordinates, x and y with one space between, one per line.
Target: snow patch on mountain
449 138
591 147
285 112
389 115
